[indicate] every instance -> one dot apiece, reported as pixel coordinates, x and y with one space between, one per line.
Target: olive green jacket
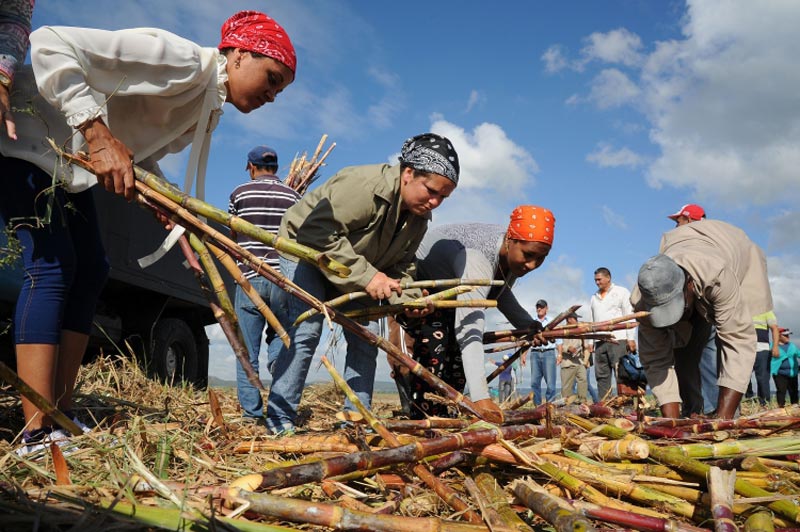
355 218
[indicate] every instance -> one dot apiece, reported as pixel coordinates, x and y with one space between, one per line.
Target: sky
612 114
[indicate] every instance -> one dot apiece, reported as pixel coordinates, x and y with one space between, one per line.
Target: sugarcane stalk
493 503
550 508
339 465
10 376
203 209
300 443
250 292
506 363
630 448
694 467
311 174
448 495
372 313
331 516
720 487
555 334
228 315
415 425
755 447
495 336
759 522
176 519
645 523
619 319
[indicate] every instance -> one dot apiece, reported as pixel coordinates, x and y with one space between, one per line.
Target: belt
544 348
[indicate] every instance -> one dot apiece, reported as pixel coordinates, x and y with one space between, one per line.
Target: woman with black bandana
371 219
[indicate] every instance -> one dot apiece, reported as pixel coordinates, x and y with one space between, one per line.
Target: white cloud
612 88
605 156
784 279
613 218
475 98
723 103
488 158
617 46
554 59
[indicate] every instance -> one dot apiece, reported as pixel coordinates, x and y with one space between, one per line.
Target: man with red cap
450 342
688 213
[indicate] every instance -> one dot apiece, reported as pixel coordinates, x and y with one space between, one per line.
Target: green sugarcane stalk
232 331
448 495
629 489
720 487
759 522
754 447
339 518
11 377
645 523
250 292
405 285
497 501
203 209
373 313
175 519
694 467
550 508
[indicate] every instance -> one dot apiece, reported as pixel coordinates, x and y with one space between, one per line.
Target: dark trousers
762 370
606 356
782 384
687 366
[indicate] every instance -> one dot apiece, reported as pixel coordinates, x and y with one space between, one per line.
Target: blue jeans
252 324
708 373
543 365
762 370
290 368
590 376
64 261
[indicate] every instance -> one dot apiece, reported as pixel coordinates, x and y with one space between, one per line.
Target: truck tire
174 355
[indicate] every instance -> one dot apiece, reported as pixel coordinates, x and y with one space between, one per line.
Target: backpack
630 370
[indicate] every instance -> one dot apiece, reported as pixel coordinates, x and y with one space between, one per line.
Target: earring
237 64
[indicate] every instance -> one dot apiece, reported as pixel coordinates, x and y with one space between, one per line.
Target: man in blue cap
262 201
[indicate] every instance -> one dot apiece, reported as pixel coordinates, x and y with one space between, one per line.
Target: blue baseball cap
262 156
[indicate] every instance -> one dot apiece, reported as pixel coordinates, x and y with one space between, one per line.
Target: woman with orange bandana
450 342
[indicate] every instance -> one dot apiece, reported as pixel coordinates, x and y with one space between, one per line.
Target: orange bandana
532 223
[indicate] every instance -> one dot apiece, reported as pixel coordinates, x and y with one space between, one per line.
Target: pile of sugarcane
303 171
571 466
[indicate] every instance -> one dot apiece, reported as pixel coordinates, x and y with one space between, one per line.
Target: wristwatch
5 81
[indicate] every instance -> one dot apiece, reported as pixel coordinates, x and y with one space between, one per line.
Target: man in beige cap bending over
706 274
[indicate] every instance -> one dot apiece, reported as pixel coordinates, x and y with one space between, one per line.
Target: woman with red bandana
125 97
450 342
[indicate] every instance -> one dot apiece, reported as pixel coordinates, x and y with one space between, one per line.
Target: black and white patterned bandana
431 153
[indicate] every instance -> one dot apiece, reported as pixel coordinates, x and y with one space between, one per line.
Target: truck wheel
174 355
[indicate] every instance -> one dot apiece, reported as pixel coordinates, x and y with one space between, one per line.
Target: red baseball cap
691 211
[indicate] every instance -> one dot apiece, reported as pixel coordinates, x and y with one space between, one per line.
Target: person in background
574 362
450 342
610 301
371 219
706 273
766 325
124 97
543 360
15 28
784 368
261 200
505 380
687 214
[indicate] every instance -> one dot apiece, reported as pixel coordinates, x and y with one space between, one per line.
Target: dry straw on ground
169 455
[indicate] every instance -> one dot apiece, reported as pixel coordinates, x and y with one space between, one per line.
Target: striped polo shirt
262 202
